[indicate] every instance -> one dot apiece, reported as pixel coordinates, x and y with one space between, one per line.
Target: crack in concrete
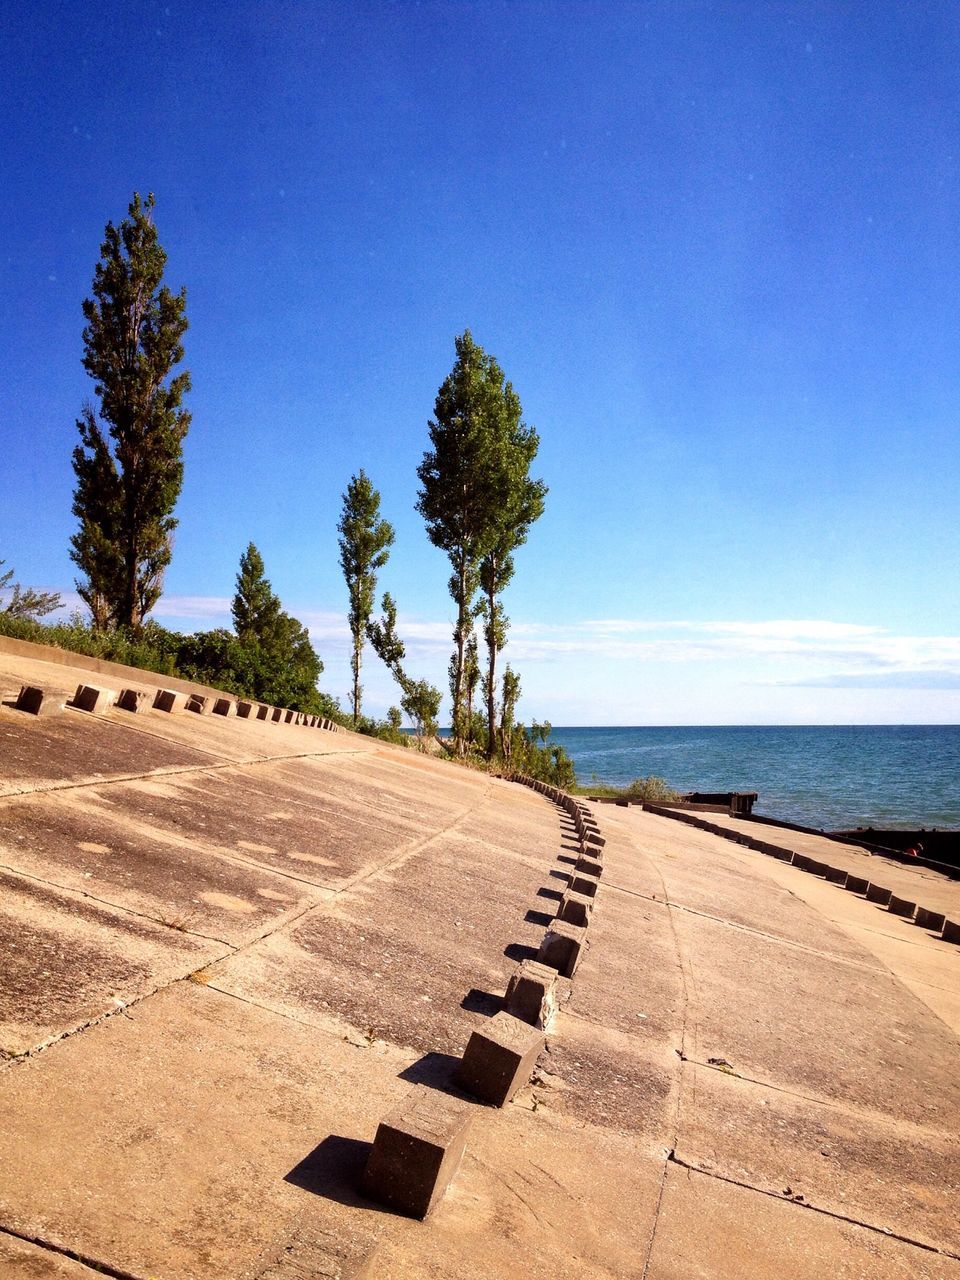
75 1255
108 902
673 1158
746 928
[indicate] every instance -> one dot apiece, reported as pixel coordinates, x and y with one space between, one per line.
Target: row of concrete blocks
935 921
96 700
419 1146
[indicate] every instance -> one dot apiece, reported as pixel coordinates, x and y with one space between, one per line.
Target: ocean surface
833 777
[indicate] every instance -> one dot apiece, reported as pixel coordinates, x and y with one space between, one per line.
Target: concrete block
263 711
562 946
589 866
246 710
856 884
276 714
197 703
901 907
876 893
288 716
836 875
575 908
594 838
583 884
928 919
224 707
951 931
90 697
132 699
169 700
531 994
38 702
416 1152
499 1059
816 868
801 860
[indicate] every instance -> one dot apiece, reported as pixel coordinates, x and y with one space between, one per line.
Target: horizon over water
830 776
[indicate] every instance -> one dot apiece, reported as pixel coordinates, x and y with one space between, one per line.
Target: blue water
821 776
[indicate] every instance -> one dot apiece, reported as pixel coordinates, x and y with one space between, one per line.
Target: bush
653 789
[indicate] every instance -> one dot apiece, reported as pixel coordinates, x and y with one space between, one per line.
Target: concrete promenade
228 948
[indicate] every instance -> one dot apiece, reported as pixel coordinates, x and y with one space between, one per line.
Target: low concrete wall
120 672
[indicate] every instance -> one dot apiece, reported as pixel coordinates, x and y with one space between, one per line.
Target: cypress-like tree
365 542
255 607
129 464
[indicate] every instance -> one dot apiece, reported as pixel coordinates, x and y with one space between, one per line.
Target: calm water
832 777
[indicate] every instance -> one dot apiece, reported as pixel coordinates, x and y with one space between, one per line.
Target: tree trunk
461 639
357 646
492 667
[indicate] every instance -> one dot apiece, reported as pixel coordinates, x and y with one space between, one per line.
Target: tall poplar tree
129 463
365 542
461 485
478 502
520 505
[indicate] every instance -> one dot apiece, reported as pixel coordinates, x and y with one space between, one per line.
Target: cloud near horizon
844 654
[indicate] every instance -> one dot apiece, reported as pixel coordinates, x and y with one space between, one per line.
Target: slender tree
521 503
462 484
365 542
129 464
420 699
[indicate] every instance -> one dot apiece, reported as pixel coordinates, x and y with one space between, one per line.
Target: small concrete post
499 1059
856 884
89 697
531 994
562 946
575 908
224 707
169 700
132 700
416 1152
198 704
37 702
877 893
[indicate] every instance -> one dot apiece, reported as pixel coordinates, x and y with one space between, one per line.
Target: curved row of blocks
96 700
935 921
418 1147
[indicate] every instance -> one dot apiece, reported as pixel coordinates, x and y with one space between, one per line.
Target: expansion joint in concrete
673 1158
75 1255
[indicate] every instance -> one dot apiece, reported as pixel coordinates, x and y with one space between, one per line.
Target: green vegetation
476 497
652 789
365 542
129 476
17 601
420 700
478 502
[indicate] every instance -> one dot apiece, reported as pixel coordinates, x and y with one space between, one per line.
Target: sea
835 777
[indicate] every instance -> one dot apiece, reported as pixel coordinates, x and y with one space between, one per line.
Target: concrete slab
65 961
94 844
709 1228
896 1177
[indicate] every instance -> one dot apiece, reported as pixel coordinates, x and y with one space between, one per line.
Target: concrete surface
230 947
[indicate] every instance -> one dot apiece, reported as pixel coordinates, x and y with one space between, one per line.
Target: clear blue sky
714 246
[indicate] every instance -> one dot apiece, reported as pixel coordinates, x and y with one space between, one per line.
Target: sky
712 245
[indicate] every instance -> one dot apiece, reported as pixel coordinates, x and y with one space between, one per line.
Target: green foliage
652 788
468 495
130 472
421 702
151 648
270 658
365 542
532 754
24 602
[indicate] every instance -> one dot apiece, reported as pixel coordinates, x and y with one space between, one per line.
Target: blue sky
714 246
